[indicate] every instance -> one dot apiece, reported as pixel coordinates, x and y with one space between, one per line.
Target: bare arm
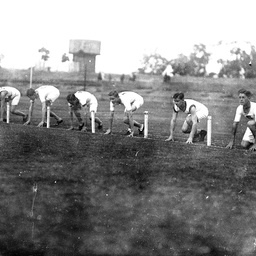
234 130
110 122
30 112
194 126
2 98
71 114
172 125
43 114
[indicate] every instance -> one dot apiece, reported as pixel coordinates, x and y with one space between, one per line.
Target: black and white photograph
127 128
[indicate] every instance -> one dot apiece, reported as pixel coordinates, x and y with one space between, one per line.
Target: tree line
242 63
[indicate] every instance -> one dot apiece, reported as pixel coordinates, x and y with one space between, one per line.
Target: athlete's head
114 97
178 99
244 96
31 93
72 99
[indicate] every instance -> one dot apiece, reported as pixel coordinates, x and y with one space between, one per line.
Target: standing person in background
81 100
47 94
195 110
247 108
132 102
12 95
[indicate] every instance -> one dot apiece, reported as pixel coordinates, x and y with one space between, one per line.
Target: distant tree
45 56
181 65
64 58
153 64
198 60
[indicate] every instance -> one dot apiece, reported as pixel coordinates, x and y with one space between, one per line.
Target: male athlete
12 95
47 94
195 110
131 102
246 108
81 100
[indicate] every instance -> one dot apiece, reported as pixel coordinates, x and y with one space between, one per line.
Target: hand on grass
253 148
131 134
70 128
27 123
230 145
108 131
40 124
170 139
189 141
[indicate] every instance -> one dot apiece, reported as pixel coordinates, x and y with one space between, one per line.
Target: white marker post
93 121
145 124
209 131
31 75
8 112
48 110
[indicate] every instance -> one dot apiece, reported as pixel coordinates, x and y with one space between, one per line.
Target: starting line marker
48 117
209 131
93 121
145 124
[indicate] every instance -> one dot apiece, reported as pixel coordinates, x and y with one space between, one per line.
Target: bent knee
245 144
251 123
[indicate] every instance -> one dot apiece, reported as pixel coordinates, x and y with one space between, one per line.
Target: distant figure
81 100
167 74
122 77
99 77
195 110
132 77
109 77
12 95
132 102
47 94
247 108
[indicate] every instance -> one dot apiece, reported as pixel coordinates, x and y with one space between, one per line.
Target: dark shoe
80 127
141 130
44 124
202 135
128 132
100 126
25 118
5 120
59 122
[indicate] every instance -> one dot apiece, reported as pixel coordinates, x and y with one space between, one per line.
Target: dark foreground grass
113 195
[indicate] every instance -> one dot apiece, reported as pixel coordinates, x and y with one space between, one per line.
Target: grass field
72 193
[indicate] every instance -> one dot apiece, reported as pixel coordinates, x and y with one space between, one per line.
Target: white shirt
127 99
240 112
85 98
11 92
189 104
46 92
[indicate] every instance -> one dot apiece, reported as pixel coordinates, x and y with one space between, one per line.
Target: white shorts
53 95
136 104
248 136
201 114
15 101
93 107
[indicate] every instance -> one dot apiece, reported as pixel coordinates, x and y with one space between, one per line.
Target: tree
45 52
198 60
153 64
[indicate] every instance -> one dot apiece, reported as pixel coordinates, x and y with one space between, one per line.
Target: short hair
178 95
71 97
113 93
245 92
30 92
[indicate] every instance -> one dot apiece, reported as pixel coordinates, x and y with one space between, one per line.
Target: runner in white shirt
82 100
47 95
195 110
12 95
131 101
247 109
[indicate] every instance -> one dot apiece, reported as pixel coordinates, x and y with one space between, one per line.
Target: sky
127 29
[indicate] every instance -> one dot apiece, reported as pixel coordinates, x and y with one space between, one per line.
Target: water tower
84 54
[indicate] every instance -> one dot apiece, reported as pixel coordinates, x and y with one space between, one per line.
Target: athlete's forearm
193 130
111 120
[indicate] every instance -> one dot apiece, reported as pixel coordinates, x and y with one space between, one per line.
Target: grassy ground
113 195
